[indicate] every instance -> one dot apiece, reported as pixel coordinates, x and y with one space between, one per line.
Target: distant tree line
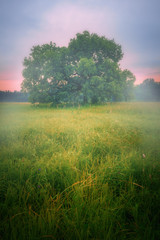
7 96
87 71
148 91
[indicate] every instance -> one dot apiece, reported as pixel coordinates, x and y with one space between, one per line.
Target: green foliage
80 173
88 45
87 71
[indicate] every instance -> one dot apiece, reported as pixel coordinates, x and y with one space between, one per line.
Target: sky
134 24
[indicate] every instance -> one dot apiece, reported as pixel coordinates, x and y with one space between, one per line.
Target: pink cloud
10 80
9 85
155 75
144 73
59 25
130 61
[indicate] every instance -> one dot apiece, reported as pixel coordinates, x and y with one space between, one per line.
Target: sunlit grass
80 173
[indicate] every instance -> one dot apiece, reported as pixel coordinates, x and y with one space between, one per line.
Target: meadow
80 173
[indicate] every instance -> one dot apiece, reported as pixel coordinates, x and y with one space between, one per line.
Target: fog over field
80 120
80 173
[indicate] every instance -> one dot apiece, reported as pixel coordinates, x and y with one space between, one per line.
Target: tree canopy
87 71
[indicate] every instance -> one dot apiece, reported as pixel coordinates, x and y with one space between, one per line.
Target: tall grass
80 173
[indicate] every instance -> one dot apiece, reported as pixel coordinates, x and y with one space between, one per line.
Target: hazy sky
135 24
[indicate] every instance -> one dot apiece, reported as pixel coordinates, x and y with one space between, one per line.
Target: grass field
80 173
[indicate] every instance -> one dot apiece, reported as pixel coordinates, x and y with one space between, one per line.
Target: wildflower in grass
39 186
39 169
144 155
